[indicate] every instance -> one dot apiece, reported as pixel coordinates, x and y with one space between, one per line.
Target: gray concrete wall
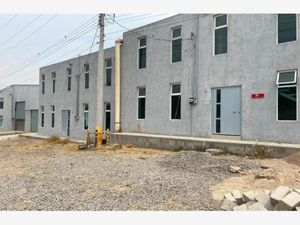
18 93
252 62
63 99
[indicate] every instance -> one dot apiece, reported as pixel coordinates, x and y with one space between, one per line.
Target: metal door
65 123
226 111
20 116
34 120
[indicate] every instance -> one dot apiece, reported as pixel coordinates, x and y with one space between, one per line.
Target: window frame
138 52
287 83
43 83
52 125
175 94
108 68
53 77
84 113
214 32
139 97
287 42
42 116
174 39
86 72
69 78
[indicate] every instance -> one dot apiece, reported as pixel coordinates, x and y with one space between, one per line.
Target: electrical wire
20 31
8 22
32 33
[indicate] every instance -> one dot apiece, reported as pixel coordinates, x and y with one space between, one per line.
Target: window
42 116
220 23
287 27
176 101
107 116
53 81
1 121
108 71
141 102
69 78
1 103
142 52
87 76
85 116
287 96
52 116
43 83
176 44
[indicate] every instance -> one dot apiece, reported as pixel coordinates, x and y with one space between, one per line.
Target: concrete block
264 199
257 207
228 205
238 197
289 202
242 207
229 197
249 196
278 194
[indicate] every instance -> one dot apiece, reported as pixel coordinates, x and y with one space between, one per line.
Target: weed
261 152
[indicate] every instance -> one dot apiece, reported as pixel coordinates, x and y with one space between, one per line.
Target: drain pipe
77 91
118 44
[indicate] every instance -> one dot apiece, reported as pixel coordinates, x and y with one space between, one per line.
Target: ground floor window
176 101
42 116
141 102
53 116
86 116
1 121
107 115
287 103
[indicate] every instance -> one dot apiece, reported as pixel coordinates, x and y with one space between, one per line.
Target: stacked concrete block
281 199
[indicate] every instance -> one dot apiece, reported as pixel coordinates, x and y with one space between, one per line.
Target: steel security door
65 123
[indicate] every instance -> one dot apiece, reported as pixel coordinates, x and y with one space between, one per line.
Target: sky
27 41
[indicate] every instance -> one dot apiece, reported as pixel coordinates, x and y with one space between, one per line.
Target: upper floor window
87 76
220 26
53 81
287 27
108 72
43 83
142 52
69 78
176 44
1 103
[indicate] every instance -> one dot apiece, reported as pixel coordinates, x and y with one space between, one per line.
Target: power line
32 33
8 22
20 31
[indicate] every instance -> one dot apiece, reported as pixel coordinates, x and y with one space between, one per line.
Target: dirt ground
36 175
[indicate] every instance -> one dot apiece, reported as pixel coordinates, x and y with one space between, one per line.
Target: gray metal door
34 120
226 110
65 123
20 116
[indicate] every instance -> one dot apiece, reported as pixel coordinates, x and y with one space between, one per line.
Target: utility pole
100 75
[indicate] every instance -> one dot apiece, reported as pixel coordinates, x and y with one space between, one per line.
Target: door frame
212 103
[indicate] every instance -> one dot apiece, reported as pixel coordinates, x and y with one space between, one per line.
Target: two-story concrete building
206 75
68 99
19 108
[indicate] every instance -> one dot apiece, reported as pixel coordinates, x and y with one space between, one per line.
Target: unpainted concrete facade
252 61
63 99
18 93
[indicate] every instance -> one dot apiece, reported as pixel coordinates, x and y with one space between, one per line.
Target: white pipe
118 44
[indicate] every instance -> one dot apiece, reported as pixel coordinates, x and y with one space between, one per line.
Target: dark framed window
87 76
53 81
176 44
107 116
69 79
85 116
1 103
221 27
53 116
43 83
287 103
142 52
287 27
108 72
42 116
176 101
141 103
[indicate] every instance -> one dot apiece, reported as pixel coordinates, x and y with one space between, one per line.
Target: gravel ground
35 175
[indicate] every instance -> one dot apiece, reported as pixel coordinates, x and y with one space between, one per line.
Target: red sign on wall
257 95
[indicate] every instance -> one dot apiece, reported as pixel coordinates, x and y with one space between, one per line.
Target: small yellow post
99 135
